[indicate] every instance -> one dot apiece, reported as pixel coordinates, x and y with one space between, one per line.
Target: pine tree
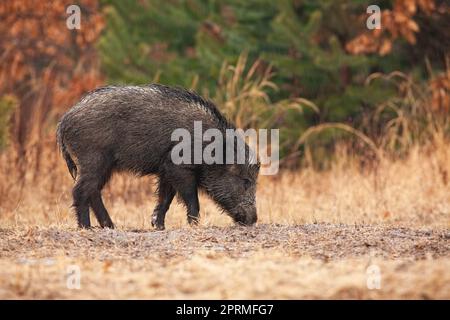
185 42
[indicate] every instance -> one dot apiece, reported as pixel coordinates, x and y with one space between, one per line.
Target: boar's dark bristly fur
129 128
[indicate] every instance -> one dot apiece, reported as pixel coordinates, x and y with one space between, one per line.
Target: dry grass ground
317 235
267 261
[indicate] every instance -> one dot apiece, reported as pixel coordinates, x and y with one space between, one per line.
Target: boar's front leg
190 198
165 196
184 180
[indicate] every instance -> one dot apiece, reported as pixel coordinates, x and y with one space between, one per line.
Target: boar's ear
233 168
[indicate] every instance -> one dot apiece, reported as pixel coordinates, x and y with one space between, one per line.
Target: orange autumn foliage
396 23
44 64
440 92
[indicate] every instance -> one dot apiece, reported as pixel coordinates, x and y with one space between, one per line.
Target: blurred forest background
309 67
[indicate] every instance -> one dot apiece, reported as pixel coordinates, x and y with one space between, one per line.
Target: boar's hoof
107 224
192 220
157 224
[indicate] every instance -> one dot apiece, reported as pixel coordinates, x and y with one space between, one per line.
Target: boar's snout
246 215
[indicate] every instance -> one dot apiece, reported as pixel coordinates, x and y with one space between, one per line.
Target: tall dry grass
243 95
410 191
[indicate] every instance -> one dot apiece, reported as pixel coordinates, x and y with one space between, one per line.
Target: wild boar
129 128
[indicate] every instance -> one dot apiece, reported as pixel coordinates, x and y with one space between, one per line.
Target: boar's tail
65 153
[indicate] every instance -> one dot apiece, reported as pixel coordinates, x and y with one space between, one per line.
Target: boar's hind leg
165 196
100 211
102 175
93 176
81 201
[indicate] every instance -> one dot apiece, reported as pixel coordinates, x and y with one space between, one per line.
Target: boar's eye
247 183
